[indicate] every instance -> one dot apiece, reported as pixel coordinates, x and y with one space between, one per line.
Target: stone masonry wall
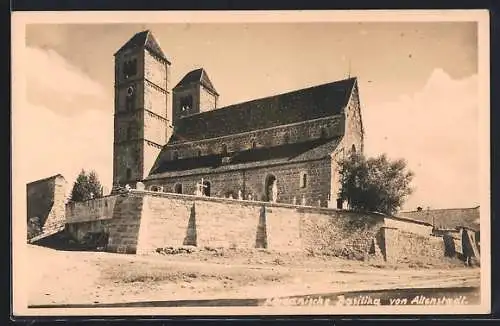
299 132
46 200
91 210
407 225
124 228
253 181
406 247
171 220
144 221
57 214
208 101
166 222
154 70
346 234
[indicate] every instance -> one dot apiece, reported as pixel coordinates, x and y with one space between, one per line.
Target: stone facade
330 127
305 133
144 221
409 225
403 247
252 182
143 113
46 200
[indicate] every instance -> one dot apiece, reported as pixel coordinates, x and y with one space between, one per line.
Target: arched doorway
271 188
206 188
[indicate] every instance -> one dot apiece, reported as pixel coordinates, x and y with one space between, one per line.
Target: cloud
66 124
61 144
436 131
56 83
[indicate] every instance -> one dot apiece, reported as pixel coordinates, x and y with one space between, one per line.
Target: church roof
292 107
199 76
447 218
147 40
255 157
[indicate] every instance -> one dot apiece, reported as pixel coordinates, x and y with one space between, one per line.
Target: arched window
254 144
303 179
186 104
155 188
286 138
129 68
224 149
178 188
198 152
206 188
270 188
353 148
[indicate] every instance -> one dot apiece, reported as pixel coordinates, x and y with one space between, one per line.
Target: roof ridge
275 95
199 75
146 40
47 178
440 209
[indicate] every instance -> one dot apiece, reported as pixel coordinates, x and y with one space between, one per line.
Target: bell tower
194 94
143 113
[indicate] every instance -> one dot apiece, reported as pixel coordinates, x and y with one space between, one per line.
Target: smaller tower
195 93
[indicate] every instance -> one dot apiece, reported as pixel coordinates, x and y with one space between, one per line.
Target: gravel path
86 277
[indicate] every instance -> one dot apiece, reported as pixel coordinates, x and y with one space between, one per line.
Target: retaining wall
144 221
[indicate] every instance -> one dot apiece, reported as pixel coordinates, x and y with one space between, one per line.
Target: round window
130 91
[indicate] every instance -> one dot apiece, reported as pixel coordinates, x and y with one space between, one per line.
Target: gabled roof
146 40
254 157
56 176
292 107
197 76
447 218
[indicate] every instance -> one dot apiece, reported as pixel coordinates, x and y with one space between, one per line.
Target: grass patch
154 272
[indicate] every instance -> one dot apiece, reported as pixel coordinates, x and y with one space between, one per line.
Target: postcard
250 163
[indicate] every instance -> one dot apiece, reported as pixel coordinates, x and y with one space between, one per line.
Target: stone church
282 148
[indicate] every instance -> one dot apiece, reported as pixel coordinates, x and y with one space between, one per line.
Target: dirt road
63 277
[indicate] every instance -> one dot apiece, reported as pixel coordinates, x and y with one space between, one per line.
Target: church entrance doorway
271 190
206 188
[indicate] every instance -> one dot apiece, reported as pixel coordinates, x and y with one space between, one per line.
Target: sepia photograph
250 163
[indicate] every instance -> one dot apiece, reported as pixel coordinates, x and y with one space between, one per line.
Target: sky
418 85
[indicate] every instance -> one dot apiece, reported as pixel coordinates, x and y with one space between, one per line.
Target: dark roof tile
447 218
283 154
147 40
199 76
297 106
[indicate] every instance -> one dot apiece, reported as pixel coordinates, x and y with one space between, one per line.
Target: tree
374 184
86 186
95 186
